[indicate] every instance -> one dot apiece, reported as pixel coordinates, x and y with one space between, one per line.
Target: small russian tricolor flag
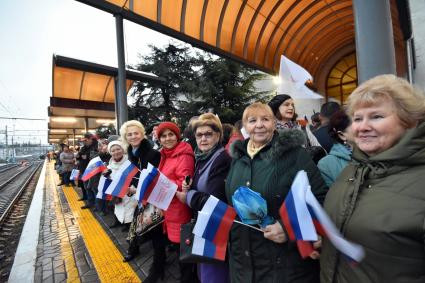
94 167
299 202
213 224
147 181
102 187
122 179
75 173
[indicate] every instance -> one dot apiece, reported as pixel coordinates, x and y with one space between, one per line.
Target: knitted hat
277 101
168 126
116 142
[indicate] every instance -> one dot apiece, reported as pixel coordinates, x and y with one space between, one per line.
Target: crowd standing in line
375 171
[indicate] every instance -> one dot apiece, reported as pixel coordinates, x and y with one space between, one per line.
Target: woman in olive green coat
267 163
378 201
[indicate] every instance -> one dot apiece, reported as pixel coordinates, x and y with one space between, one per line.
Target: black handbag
186 243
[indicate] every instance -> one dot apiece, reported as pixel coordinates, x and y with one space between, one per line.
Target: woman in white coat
124 208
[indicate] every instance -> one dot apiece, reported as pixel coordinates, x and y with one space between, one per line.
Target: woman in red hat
177 162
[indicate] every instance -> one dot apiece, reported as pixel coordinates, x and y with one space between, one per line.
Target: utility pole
7 148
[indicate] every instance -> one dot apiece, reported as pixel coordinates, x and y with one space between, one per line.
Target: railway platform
61 242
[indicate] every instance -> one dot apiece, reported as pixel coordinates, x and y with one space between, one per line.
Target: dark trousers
83 188
65 178
159 242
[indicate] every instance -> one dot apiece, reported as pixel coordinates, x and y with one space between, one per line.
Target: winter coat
234 137
176 164
125 209
84 155
331 165
254 258
379 203
67 159
323 137
209 178
141 157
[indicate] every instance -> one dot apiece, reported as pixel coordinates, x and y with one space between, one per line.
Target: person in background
188 135
140 153
315 122
283 108
93 182
153 139
267 163
83 158
331 165
378 201
212 166
68 161
322 133
230 135
177 162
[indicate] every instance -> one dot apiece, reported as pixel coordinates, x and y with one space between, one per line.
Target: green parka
379 203
254 258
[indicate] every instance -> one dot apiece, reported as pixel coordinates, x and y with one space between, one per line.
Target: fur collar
282 142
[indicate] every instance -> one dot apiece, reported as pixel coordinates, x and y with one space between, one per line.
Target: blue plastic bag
251 207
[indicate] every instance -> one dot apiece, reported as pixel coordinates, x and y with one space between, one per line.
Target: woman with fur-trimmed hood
267 163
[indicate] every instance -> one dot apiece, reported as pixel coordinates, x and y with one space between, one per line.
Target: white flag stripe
100 187
350 249
299 189
142 177
118 174
198 245
210 204
163 192
93 161
201 223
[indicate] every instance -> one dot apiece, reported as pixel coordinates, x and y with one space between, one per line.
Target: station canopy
255 32
83 96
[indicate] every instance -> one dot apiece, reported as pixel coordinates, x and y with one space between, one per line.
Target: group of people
369 180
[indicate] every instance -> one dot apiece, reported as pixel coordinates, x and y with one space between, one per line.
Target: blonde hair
211 120
409 103
254 108
126 125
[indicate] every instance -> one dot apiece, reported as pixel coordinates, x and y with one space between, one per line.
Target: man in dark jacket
87 151
322 134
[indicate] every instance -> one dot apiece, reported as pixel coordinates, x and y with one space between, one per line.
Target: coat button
248 183
278 260
246 253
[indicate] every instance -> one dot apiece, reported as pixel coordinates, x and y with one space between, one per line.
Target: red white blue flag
301 201
155 188
102 187
213 226
94 167
75 173
122 179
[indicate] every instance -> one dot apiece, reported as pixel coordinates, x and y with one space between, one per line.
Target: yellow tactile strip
66 250
106 257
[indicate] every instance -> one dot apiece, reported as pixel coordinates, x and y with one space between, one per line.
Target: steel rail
21 190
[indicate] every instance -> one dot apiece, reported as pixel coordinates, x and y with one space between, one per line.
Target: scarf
200 156
115 165
252 150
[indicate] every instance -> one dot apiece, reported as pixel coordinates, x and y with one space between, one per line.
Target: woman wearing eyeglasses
211 168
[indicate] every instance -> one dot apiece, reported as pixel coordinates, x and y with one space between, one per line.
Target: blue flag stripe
147 181
290 206
214 221
123 177
105 187
209 249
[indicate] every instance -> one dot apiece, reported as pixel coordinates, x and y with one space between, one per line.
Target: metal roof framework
83 96
254 32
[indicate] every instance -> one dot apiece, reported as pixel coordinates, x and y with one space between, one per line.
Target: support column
374 38
120 90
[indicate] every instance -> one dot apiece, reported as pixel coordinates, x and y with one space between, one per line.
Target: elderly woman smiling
378 201
267 163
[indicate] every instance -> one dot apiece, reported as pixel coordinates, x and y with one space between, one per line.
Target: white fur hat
116 142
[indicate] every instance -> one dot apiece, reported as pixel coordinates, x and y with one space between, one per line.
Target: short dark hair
329 108
339 122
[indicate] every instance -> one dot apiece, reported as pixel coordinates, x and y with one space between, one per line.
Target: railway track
8 167
12 188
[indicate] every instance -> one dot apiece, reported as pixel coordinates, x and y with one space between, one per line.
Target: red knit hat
168 126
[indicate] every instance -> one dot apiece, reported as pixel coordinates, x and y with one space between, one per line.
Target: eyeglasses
207 135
